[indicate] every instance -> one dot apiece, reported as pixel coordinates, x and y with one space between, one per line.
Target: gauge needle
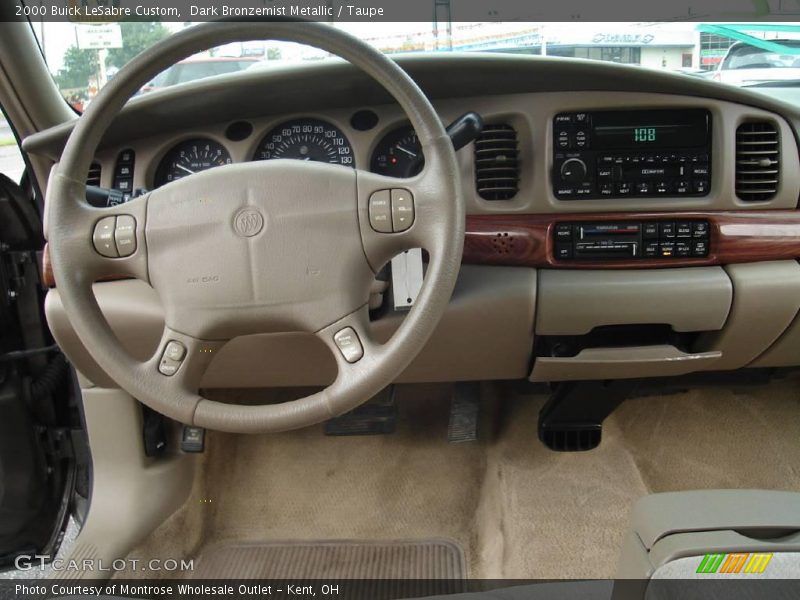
189 171
407 151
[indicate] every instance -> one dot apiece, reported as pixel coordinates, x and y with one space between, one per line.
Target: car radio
623 154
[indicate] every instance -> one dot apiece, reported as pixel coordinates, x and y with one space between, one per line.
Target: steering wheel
260 247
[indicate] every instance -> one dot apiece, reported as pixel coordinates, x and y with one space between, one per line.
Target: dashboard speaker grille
757 161
95 170
497 162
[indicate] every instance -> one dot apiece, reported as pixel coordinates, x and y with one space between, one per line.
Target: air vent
93 178
497 162
757 161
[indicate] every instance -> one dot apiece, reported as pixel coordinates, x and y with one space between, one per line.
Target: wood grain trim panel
526 240
735 237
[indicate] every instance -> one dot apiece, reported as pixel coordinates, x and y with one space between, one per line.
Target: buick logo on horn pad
248 222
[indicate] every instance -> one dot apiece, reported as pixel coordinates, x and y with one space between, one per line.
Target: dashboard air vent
497 162
757 161
93 178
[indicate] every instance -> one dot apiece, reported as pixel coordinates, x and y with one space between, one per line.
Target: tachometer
306 139
190 157
398 154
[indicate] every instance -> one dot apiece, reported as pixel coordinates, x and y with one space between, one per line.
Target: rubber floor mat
418 560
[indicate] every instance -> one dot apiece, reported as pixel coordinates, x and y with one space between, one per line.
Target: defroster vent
497 162
757 161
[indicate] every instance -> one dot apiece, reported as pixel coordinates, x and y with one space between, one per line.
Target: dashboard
620 222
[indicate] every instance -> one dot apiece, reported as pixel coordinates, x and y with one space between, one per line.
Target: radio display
650 128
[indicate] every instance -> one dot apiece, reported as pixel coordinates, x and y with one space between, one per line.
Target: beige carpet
517 509
425 559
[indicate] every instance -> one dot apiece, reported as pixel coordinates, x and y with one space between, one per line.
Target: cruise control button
402 210
380 211
175 350
103 237
172 359
125 235
168 367
349 345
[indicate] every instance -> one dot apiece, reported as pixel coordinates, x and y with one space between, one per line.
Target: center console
622 154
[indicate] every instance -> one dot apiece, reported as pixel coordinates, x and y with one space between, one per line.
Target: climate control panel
631 240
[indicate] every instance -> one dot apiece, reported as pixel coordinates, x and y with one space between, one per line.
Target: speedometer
306 139
190 157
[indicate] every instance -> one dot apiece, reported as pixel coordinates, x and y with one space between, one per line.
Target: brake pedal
463 426
378 416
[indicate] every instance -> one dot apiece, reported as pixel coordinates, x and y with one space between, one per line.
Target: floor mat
426 559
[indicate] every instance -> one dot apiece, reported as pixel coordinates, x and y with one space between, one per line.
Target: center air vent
497 162
757 161
93 178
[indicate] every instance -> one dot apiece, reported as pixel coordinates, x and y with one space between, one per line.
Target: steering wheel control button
172 358
103 237
402 210
125 235
175 351
349 345
380 211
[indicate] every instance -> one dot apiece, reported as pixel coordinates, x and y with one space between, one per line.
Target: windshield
84 57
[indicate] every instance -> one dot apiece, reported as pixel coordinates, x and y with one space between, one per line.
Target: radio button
644 188
700 186
662 187
581 139
700 169
605 172
563 119
606 189
667 249
650 231
581 118
682 187
651 249
624 189
562 140
667 230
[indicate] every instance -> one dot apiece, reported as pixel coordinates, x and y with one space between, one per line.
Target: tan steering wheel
260 247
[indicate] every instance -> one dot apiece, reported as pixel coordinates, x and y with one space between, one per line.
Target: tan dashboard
724 301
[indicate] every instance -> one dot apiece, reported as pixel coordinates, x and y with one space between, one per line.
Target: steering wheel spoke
396 215
351 342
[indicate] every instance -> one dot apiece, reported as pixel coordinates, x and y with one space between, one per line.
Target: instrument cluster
397 154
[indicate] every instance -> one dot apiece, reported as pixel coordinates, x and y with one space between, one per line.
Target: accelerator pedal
463 426
376 417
